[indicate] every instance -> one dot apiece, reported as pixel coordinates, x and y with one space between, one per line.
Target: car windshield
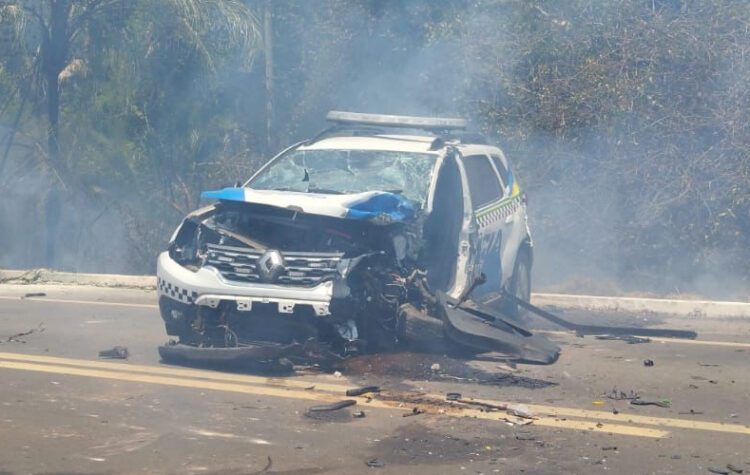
349 171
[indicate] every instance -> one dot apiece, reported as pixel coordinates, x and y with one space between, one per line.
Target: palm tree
50 37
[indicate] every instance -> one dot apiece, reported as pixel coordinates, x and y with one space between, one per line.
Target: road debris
117 352
435 367
734 469
362 390
630 339
333 407
622 395
710 365
597 403
691 412
610 447
268 465
34 294
453 396
720 471
487 407
414 412
661 403
374 463
358 414
17 337
520 410
525 436
648 362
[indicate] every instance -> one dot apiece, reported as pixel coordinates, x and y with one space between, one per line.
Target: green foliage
628 120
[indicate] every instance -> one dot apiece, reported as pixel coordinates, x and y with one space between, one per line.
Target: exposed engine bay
375 271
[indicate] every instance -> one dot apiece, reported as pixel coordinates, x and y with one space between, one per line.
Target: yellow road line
320 397
178 372
80 302
340 390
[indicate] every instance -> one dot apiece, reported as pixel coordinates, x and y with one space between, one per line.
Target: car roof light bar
406 121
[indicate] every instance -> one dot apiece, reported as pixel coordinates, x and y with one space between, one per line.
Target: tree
51 41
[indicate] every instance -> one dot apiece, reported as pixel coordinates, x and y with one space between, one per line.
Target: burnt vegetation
627 120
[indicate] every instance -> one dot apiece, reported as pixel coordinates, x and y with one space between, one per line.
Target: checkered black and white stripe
499 214
174 292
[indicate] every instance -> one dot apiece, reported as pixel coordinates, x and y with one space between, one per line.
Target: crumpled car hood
379 207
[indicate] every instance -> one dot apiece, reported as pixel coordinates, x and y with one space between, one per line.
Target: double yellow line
320 392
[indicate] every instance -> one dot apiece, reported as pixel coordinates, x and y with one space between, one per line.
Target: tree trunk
55 45
268 55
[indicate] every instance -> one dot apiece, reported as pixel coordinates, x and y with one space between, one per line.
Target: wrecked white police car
338 241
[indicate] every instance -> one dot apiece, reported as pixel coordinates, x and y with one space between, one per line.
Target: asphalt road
64 410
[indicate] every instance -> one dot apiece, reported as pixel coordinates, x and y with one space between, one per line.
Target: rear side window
484 187
501 169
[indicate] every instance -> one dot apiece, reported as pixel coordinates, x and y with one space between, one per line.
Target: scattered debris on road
648 363
362 390
630 339
719 471
358 414
333 407
661 403
734 469
622 395
17 337
525 436
520 410
374 463
117 352
414 412
34 294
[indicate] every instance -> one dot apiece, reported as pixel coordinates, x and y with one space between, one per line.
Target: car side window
502 170
484 187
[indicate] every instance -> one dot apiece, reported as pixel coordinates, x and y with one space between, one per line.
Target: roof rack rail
439 124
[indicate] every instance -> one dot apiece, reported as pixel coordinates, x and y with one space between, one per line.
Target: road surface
65 410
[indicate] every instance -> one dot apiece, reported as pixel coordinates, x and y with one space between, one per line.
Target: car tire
520 284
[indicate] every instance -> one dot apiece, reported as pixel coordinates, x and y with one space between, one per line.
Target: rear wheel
520 284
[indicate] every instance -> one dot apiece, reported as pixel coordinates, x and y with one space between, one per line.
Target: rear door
486 191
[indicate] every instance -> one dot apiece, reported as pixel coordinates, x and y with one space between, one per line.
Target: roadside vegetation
628 120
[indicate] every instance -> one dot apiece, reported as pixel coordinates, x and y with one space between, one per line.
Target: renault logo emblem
271 266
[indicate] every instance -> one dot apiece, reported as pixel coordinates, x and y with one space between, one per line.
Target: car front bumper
207 287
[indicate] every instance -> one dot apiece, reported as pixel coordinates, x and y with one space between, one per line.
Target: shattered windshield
349 171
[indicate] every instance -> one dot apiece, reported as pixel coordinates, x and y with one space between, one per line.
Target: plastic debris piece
375 463
358 414
597 403
415 411
648 363
525 436
362 390
520 410
333 407
642 402
118 352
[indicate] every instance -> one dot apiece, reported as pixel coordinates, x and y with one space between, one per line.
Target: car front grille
302 268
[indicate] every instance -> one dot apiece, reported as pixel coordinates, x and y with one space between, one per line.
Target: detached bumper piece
483 329
237 356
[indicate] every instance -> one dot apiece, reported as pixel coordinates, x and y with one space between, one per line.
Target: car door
510 211
486 195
